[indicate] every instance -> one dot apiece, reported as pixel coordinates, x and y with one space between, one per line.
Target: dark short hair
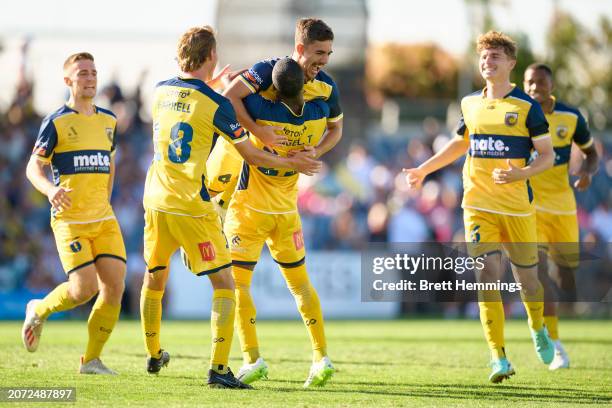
542 66
288 77
309 30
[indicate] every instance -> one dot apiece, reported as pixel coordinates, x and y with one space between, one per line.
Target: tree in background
581 60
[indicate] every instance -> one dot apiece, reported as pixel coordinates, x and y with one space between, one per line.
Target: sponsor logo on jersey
488 147
91 162
253 77
511 118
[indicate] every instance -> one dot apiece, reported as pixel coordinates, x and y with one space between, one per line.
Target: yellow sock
245 314
552 324
308 304
222 328
150 319
56 301
492 319
100 325
534 305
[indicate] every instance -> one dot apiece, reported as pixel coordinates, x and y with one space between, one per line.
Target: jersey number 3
179 148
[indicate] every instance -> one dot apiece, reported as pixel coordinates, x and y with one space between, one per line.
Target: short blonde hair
195 47
79 56
495 39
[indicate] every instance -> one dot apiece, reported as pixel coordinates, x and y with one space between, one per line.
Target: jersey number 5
179 149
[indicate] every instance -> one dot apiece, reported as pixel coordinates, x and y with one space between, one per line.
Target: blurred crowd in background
362 198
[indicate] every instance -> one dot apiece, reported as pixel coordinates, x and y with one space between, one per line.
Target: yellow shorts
487 232
201 238
223 169
248 230
558 235
80 245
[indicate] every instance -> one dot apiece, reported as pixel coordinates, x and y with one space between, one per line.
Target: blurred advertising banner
335 275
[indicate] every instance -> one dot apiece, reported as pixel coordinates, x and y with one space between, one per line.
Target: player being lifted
312 49
557 223
187 116
499 126
264 209
78 142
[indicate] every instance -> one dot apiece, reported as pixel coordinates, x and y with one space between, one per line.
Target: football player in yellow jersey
187 116
312 49
264 210
78 142
498 128
557 223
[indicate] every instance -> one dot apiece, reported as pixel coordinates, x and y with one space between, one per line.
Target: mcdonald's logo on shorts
207 250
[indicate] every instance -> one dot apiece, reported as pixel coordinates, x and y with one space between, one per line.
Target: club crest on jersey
511 118
75 246
109 134
562 131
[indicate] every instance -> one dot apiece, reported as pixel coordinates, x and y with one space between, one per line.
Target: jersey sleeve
335 110
114 138
461 131
226 123
582 135
536 122
46 140
259 76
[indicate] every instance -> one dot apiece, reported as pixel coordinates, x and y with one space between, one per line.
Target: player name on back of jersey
170 100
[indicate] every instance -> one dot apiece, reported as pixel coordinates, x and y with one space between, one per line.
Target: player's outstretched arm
448 154
587 170
58 196
545 160
303 161
267 134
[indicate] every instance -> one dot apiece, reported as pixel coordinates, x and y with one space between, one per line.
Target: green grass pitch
388 363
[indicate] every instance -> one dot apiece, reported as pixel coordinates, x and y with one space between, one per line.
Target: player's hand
584 180
271 135
59 198
312 149
509 175
304 161
414 177
223 77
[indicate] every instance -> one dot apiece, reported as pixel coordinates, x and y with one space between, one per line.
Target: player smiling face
495 64
538 84
313 57
82 78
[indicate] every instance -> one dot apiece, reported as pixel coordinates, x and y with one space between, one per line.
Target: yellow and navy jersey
259 80
551 188
188 117
79 149
498 130
274 190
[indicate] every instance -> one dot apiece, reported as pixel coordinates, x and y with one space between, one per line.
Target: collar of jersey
77 112
192 80
484 93
291 110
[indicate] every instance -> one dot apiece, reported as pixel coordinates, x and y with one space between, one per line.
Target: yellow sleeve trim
248 84
46 160
336 119
540 137
242 139
586 145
